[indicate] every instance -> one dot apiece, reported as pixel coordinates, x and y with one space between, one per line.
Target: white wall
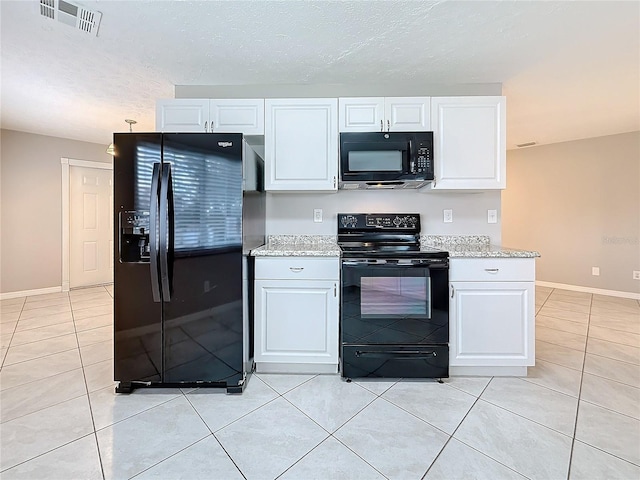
398 89
31 207
292 213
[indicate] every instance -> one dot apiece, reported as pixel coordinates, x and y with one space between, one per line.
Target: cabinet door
469 142
296 321
492 324
407 114
362 114
237 116
182 115
301 144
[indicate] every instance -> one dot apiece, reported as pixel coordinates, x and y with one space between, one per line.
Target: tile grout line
86 386
575 424
473 448
212 434
330 434
12 334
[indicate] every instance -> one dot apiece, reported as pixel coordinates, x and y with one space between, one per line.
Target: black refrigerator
188 208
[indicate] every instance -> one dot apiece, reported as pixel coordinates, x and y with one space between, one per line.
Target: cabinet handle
335 290
211 126
452 291
491 270
381 126
296 269
388 125
205 126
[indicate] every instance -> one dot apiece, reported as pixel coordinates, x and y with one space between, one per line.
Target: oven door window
394 304
395 297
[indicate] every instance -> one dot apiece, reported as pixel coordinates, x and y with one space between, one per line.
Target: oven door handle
397 353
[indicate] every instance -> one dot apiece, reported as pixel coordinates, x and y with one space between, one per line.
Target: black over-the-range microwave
386 159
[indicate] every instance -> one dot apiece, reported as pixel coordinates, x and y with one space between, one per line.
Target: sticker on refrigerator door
225 144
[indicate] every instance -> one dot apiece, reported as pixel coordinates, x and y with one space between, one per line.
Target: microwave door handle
412 163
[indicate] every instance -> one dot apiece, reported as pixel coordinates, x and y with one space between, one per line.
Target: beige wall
577 203
31 207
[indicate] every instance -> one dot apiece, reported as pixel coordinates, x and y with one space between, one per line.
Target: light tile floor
576 415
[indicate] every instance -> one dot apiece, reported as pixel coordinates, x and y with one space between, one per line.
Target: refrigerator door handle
153 233
166 231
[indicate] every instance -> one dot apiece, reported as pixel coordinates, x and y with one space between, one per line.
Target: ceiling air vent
71 14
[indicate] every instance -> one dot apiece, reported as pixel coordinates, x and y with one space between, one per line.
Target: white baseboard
597 291
28 293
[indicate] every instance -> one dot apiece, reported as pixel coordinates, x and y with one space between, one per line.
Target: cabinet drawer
492 269
290 268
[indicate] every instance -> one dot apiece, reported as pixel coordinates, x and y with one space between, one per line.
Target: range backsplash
292 213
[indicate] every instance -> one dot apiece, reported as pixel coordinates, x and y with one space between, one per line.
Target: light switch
492 216
317 215
447 216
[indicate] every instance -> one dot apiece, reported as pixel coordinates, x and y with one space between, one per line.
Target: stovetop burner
382 235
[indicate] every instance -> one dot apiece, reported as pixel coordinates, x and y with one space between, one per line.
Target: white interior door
90 226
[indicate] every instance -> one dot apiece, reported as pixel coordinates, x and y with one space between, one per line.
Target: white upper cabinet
301 144
214 116
388 114
469 142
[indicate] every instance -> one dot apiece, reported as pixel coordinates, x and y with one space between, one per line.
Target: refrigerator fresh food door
137 317
203 322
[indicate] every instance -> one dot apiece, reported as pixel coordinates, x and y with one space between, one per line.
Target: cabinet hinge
334 181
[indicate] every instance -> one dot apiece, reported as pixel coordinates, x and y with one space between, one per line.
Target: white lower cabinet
492 317
296 315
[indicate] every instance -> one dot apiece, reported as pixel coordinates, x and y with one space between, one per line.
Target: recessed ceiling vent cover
71 14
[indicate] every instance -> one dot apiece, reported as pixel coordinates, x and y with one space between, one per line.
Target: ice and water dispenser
134 237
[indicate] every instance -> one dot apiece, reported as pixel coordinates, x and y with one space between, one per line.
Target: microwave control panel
424 157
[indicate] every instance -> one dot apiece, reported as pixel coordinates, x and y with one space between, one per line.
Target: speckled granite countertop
298 246
458 246
472 246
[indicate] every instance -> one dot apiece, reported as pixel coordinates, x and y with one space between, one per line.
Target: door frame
66 163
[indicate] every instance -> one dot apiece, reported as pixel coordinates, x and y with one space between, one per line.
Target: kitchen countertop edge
463 246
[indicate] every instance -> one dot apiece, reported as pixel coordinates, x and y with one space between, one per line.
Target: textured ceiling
569 70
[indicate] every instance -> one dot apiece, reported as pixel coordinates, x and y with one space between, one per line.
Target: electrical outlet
636 275
595 271
447 216
492 216
317 215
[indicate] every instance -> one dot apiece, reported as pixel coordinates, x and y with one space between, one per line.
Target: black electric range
394 318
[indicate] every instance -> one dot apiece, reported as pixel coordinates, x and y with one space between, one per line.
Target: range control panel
406 222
